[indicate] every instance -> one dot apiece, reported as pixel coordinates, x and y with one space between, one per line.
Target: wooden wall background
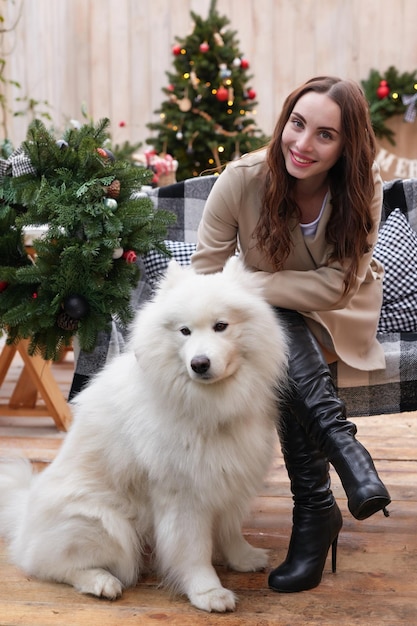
112 55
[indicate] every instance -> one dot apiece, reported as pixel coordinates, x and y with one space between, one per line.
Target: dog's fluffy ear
174 268
235 269
234 265
174 273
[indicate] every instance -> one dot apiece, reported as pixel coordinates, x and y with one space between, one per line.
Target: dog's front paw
217 600
250 560
100 583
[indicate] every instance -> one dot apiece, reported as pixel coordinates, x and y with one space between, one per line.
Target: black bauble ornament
75 306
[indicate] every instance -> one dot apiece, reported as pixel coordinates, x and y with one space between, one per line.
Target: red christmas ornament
204 47
170 87
176 50
383 90
122 124
251 94
130 256
3 285
244 64
222 94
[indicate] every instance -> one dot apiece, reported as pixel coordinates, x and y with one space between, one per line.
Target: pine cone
113 190
66 322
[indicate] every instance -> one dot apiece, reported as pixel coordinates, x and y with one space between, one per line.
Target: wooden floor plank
375 583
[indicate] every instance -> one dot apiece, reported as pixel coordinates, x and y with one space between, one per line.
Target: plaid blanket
394 389
186 199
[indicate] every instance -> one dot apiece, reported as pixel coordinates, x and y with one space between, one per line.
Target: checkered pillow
397 250
157 263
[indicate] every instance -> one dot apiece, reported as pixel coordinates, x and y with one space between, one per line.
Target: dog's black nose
200 364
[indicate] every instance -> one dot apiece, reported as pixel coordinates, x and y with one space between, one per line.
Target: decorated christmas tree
205 119
82 268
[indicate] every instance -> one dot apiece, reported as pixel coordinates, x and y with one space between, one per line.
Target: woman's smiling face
312 139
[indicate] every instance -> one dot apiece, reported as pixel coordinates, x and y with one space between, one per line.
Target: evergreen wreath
389 94
82 269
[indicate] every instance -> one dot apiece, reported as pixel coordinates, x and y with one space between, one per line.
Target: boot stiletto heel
334 554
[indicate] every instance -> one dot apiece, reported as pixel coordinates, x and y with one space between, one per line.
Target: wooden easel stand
35 379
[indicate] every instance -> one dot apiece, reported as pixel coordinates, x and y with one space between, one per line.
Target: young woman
304 214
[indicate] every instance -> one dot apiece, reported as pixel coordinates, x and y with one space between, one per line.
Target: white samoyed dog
169 443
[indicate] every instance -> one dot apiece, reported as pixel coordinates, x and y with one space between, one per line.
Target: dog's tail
15 480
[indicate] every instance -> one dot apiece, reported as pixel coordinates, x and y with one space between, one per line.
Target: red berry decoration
222 94
244 64
176 50
130 256
204 47
383 90
3 285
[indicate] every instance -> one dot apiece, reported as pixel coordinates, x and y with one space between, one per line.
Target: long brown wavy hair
350 182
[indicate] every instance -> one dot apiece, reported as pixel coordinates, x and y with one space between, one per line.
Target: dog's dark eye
219 327
185 330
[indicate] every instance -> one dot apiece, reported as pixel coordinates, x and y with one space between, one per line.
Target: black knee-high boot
316 517
323 417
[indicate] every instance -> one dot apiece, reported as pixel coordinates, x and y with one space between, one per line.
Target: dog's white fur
158 453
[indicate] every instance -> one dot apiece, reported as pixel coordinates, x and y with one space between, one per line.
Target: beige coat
306 283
